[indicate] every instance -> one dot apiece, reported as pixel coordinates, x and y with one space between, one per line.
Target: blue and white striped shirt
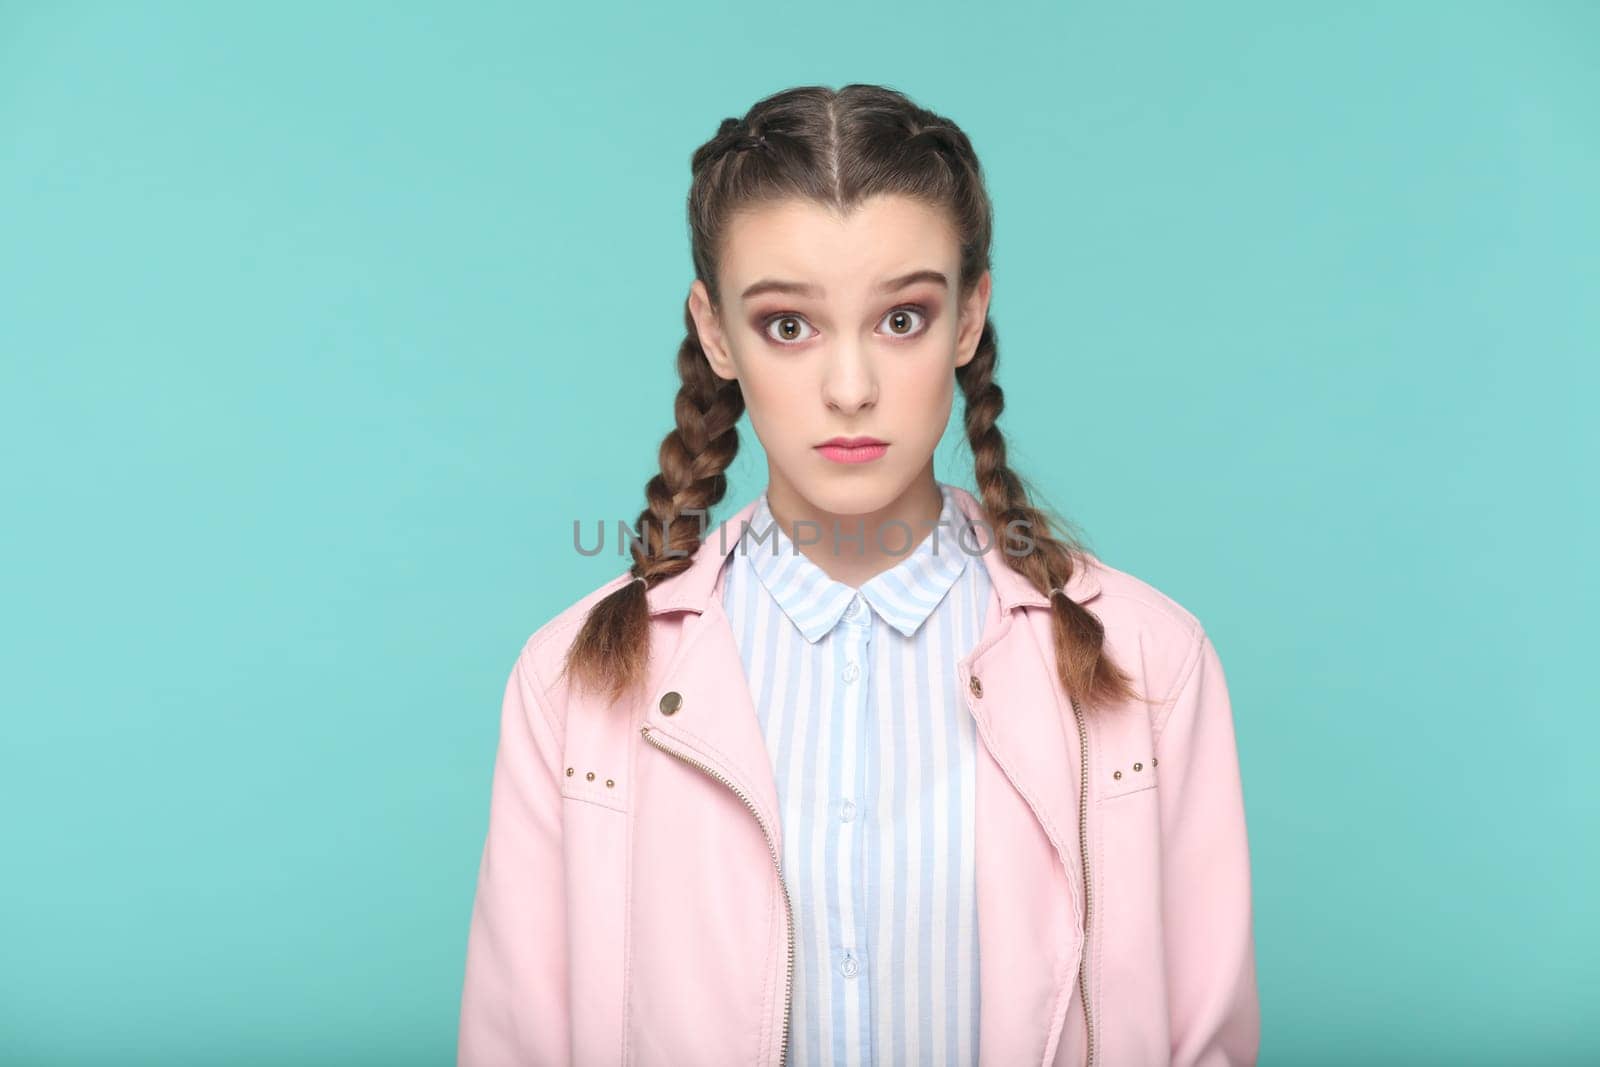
873 750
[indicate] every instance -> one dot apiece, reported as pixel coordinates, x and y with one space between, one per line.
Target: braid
1082 665
694 459
734 137
948 143
611 650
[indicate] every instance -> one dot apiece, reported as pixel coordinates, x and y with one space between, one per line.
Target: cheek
765 386
771 393
756 378
923 387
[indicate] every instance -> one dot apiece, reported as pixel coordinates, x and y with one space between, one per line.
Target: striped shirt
873 751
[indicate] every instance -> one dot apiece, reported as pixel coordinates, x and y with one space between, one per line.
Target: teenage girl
877 770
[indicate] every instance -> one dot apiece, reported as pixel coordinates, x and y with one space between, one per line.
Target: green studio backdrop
321 323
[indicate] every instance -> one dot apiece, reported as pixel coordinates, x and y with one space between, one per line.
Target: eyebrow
777 285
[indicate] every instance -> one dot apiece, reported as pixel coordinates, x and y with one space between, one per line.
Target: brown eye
789 328
902 321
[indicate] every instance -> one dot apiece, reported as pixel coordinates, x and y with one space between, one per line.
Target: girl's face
843 328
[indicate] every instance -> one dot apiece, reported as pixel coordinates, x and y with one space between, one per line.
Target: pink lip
853 449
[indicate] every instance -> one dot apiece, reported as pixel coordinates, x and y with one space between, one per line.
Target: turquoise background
320 324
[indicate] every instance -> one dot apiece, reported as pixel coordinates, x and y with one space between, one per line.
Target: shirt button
855 607
849 968
851 672
847 811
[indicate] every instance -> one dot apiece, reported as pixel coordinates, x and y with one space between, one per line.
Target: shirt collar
903 596
695 587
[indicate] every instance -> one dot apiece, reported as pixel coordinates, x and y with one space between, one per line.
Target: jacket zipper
788 907
1088 885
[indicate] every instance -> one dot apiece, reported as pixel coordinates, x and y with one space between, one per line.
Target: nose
850 382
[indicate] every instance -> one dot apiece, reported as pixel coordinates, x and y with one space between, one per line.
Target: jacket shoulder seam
542 689
1186 673
535 688
1164 605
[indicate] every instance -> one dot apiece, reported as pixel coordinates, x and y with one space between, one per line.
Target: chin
842 490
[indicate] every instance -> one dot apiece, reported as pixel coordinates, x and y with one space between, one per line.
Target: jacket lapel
713 716
1030 889
1030 915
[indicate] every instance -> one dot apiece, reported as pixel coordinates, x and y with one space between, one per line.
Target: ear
708 328
974 313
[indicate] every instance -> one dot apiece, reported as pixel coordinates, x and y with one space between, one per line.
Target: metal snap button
671 702
977 686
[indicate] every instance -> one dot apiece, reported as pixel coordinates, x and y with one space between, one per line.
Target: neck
853 548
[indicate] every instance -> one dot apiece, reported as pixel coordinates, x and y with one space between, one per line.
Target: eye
788 328
900 321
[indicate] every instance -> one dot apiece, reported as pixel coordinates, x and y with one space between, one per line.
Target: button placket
857 633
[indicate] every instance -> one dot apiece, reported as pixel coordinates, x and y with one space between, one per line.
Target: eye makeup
763 321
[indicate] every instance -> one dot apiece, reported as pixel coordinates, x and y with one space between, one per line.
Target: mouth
853 449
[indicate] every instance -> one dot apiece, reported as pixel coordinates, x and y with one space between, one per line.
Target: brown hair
834 148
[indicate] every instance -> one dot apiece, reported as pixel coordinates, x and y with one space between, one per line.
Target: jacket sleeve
1205 864
514 1007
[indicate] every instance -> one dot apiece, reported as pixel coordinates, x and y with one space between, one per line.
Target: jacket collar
691 588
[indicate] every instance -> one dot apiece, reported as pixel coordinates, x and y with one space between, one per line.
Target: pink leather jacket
630 909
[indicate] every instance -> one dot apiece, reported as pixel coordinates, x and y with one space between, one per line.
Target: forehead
803 241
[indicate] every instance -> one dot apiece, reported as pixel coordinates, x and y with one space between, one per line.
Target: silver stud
590 776
1138 766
